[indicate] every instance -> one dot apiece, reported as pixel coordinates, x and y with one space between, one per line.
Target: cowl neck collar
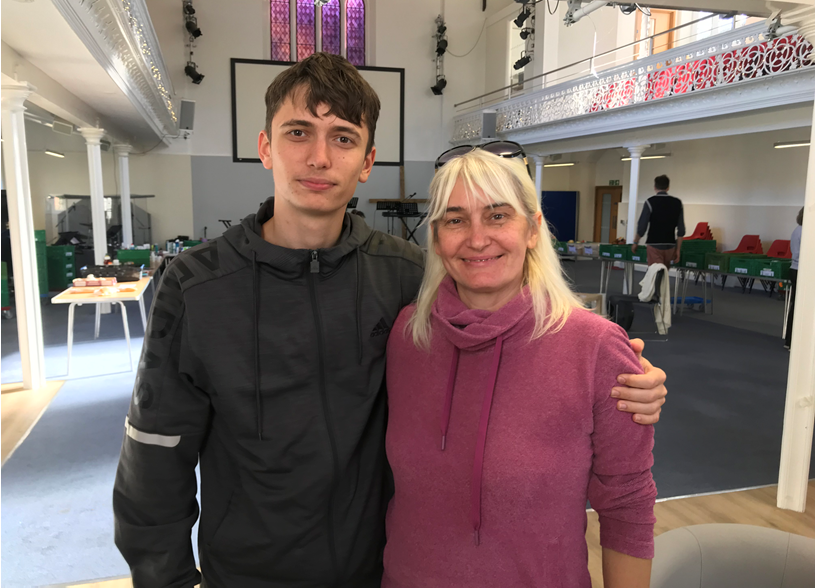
473 329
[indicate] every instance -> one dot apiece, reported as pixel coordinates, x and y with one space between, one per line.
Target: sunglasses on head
501 148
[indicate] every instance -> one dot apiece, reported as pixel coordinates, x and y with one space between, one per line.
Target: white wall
739 185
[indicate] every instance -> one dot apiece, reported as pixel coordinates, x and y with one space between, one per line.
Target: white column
92 138
634 177
122 152
539 163
21 228
343 45
797 434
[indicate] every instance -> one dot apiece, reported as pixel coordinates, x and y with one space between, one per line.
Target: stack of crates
137 257
771 268
42 262
561 247
693 253
61 266
614 252
639 255
4 287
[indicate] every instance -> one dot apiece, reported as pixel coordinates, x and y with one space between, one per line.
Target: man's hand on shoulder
643 395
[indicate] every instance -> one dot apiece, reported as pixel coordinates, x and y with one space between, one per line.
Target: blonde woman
500 421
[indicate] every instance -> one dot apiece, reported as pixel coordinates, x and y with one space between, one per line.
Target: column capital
538 159
122 150
637 150
14 94
93 135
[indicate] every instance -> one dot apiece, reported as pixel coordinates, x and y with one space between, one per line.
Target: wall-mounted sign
614 182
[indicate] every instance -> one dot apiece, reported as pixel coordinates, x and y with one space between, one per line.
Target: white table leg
144 316
97 321
127 334
676 289
787 309
70 335
601 286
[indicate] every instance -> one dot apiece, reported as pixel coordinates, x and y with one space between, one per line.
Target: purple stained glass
331 27
355 31
279 29
305 28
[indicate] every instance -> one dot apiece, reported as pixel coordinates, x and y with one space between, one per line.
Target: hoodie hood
474 330
247 239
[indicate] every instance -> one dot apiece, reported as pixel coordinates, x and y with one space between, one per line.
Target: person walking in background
795 242
663 215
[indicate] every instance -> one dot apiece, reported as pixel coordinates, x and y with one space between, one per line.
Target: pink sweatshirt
497 442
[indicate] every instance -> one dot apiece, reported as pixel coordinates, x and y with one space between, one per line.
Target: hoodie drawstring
358 302
449 395
476 482
487 403
255 304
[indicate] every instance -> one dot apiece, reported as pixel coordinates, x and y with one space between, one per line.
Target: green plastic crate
639 256
561 247
61 266
771 268
134 256
743 263
717 262
699 246
614 252
691 259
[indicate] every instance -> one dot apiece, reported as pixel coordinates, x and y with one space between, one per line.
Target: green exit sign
614 182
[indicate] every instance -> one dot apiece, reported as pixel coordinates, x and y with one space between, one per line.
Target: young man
663 215
264 360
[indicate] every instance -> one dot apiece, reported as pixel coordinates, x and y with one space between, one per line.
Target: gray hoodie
266 364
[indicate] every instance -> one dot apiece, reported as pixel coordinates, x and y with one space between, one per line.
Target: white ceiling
38 32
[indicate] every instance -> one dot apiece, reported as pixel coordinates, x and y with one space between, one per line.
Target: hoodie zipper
314 275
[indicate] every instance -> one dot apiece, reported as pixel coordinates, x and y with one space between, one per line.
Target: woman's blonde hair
490 179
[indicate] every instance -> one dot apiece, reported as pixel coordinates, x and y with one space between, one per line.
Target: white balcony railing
731 58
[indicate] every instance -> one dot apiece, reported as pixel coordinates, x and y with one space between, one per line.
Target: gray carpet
721 430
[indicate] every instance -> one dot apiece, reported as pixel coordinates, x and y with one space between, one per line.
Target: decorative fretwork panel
279 29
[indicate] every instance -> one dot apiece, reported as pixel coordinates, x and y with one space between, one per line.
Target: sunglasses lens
452 154
504 149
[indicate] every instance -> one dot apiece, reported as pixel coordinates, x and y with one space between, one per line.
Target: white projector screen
251 78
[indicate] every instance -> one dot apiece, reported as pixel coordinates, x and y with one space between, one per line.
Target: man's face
316 160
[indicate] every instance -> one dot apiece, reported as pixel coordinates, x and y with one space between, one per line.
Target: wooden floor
749 507
19 412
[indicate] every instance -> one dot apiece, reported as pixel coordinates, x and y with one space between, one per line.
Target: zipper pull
314 266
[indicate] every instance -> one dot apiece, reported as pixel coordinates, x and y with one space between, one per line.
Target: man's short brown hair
331 80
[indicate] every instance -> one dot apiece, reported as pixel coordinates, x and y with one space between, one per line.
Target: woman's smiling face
483 248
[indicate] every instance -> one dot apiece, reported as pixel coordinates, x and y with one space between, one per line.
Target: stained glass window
279 29
331 27
355 31
305 28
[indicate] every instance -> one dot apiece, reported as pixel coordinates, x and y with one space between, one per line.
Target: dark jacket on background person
266 364
662 214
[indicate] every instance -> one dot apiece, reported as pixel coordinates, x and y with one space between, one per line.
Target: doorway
659 21
607 199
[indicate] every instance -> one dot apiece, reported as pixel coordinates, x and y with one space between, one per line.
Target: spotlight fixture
441 46
440 84
192 72
55 153
523 15
188 7
523 61
526 33
789 144
191 24
440 30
